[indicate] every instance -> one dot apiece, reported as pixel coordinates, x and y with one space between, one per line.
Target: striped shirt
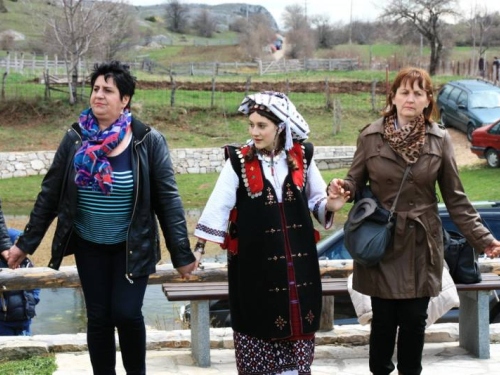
104 219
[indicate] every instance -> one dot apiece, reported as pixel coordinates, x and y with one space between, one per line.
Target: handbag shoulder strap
393 208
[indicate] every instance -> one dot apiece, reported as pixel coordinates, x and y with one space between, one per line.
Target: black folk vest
258 279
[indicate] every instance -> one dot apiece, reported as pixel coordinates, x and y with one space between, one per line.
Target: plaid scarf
407 141
91 162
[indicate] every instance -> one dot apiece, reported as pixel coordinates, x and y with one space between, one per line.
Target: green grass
384 52
479 183
44 365
40 125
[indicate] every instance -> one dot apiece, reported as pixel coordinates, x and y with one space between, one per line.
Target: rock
37 165
14 35
22 347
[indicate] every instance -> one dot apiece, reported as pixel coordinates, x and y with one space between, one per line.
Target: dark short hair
411 75
120 73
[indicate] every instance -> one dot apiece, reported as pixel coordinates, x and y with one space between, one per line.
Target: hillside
19 19
224 14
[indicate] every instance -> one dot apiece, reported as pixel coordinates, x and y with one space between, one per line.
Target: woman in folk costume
274 279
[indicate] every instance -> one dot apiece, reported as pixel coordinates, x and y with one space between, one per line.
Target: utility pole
350 25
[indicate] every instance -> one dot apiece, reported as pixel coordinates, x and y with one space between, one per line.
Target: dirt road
463 154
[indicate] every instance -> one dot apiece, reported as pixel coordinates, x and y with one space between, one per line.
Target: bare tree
427 17
73 27
324 31
294 17
300 37
177 16
480 23
256 33
204 24
119 36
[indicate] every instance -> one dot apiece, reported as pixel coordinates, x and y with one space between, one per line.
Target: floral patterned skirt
270 357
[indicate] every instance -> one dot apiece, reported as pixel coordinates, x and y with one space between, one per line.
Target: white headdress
278 103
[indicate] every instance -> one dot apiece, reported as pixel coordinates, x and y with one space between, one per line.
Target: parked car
468 105
486 144
333 248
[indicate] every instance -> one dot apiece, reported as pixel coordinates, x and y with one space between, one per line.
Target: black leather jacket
155 194
4 234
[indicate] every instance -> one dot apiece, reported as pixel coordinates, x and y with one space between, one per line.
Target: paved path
439 359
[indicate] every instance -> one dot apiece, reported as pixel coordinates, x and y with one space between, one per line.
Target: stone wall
186 160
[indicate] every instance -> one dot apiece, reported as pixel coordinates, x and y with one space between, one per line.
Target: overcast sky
338 10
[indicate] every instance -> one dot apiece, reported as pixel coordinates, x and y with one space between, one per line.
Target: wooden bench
473 314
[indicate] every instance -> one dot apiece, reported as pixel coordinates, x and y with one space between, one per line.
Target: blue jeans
15 328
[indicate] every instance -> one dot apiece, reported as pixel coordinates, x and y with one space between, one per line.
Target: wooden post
21 63
82 93
47 84
7 67
191 73
374 95
387 80
328 104
33 63
174 87
212 100
337 116
46 63
326 319
287 88
16 63
3 85
56 62
247 85
260 66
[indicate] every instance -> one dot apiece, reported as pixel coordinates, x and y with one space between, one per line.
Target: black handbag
368 229
461 258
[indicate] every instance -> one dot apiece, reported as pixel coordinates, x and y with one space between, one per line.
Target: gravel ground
463 154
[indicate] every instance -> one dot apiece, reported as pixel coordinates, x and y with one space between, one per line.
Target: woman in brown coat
402 283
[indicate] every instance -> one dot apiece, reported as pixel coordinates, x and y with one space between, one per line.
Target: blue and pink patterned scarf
91 162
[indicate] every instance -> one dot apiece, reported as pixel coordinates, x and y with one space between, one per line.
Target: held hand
185 271
335 201
493 250
16 257
5 255
335 187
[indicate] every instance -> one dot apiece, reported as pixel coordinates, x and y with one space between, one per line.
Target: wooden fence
299 65
67 277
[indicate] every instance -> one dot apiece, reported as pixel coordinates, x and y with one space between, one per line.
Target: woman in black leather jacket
109 179
4 234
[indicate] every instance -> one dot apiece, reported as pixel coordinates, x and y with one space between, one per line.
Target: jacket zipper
135 205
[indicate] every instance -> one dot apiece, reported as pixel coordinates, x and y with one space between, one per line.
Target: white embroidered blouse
213 222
